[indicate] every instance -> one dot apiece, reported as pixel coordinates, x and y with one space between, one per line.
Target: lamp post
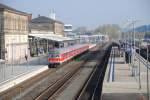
147 74
133 46
139 64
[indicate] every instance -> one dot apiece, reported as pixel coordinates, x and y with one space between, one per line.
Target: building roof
44 19
5 7
41 19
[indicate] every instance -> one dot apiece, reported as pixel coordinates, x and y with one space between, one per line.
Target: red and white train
58 56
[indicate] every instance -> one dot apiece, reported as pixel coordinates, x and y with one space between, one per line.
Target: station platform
13 74
121 81
20 79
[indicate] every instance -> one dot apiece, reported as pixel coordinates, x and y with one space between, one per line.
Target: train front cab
53 60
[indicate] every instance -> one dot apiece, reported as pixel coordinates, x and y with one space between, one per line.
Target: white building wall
16 47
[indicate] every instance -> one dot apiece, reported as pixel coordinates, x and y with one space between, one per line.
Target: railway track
48 82
93 86
51 92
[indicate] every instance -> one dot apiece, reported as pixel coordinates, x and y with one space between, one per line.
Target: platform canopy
52 37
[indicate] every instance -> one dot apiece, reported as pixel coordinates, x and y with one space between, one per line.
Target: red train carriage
58 56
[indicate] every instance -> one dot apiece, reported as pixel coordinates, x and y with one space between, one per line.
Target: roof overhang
52 37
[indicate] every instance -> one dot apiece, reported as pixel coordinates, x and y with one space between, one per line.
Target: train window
54 56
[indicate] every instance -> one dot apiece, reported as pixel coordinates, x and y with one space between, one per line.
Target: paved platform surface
125 85
12 71
11 75
20 79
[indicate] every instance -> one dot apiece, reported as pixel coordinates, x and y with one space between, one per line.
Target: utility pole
139 63
133 64
148 98
147 74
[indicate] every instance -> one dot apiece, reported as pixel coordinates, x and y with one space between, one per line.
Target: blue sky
90 13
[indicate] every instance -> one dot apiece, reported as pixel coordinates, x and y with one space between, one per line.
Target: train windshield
54 56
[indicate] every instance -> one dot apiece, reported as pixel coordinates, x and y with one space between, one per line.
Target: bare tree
113 30
80 30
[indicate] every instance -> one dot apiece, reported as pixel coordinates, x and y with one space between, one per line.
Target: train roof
67 49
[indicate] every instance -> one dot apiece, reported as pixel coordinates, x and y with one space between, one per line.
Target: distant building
68 28
93 38
71 35
13 33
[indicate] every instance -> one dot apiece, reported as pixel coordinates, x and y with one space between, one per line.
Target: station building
45 34
13 33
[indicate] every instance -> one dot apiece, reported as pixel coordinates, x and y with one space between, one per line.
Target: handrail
111 68
142 60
